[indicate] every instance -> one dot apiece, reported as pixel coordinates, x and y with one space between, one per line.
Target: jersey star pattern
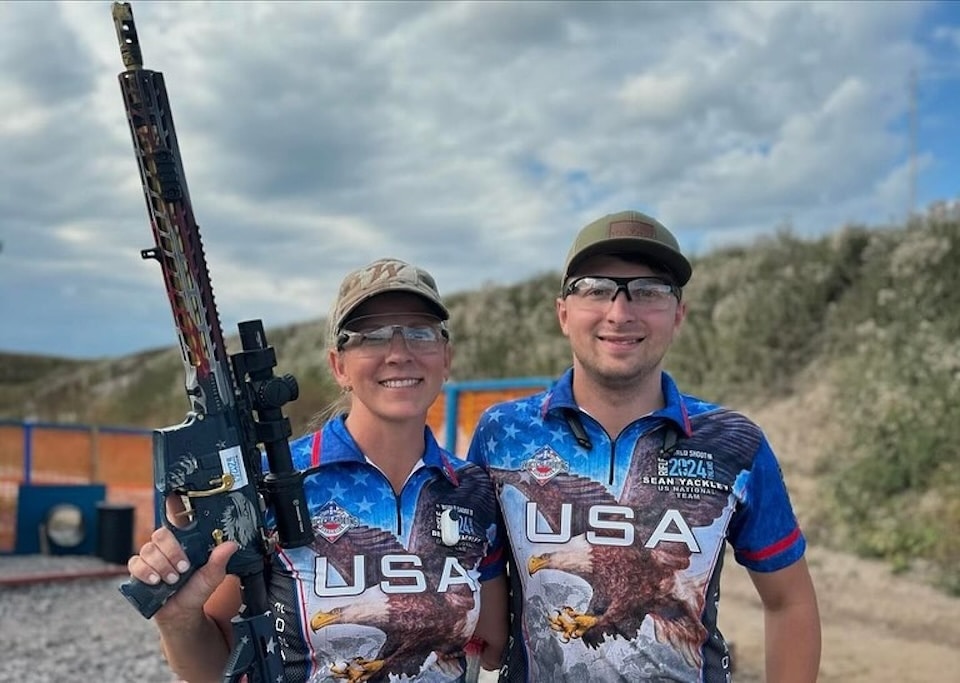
389 589
617 545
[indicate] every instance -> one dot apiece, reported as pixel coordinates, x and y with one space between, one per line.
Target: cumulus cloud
471 137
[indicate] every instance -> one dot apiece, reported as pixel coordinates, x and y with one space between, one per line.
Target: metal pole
451 404
27 451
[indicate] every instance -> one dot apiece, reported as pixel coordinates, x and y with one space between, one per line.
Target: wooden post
94 453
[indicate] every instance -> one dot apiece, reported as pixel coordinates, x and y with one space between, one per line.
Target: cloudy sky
471 138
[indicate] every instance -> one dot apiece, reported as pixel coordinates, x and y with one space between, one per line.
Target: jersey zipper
574 420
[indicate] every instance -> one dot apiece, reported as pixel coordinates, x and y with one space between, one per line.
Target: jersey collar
340 446
560 396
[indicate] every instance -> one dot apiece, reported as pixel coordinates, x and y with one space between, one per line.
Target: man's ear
561 306
680 315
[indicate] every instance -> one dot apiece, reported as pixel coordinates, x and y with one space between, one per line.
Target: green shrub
894 485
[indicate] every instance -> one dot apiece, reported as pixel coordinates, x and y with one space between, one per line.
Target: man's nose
621 308
626 293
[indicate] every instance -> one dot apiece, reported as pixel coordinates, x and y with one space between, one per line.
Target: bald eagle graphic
632 582
430 622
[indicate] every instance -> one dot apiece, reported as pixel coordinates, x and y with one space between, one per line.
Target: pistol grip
148 599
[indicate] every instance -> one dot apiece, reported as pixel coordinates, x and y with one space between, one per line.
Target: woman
406 534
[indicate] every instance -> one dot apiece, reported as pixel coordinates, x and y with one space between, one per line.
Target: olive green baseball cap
381 276
629 232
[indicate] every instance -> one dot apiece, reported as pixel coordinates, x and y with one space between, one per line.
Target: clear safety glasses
423 339
650 293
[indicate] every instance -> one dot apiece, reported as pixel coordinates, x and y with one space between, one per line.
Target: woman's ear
335 360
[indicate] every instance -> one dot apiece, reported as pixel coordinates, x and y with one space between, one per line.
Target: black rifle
210 465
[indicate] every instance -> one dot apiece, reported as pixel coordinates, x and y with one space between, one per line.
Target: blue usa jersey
389 589
617 544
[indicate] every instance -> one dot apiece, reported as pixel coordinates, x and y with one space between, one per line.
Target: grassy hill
869 317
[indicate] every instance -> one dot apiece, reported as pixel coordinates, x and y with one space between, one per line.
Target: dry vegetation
860 326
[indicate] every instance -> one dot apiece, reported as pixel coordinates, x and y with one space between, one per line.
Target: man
619 492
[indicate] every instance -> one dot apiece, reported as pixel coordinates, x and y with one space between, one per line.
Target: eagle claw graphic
357 669
570 623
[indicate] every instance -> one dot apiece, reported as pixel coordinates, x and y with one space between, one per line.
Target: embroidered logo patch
545 464
688 474
332 521
632 228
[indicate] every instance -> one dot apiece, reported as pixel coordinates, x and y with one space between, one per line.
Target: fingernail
183 566
172 578
153 579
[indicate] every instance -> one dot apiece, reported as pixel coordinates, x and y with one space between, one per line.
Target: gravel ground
76 630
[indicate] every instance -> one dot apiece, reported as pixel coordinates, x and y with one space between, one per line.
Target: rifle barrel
127 35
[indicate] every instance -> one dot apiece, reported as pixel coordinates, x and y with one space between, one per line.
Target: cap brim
438 307
674 262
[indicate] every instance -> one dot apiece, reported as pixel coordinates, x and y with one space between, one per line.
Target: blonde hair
339 406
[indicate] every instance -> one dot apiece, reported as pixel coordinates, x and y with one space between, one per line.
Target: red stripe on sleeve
772 550
491 558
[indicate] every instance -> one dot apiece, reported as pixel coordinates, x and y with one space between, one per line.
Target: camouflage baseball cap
383 275
629 232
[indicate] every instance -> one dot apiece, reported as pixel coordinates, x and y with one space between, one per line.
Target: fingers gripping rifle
208 469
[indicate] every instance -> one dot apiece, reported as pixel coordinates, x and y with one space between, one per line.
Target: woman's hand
162 559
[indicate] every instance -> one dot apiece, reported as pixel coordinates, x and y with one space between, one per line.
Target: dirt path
876 626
